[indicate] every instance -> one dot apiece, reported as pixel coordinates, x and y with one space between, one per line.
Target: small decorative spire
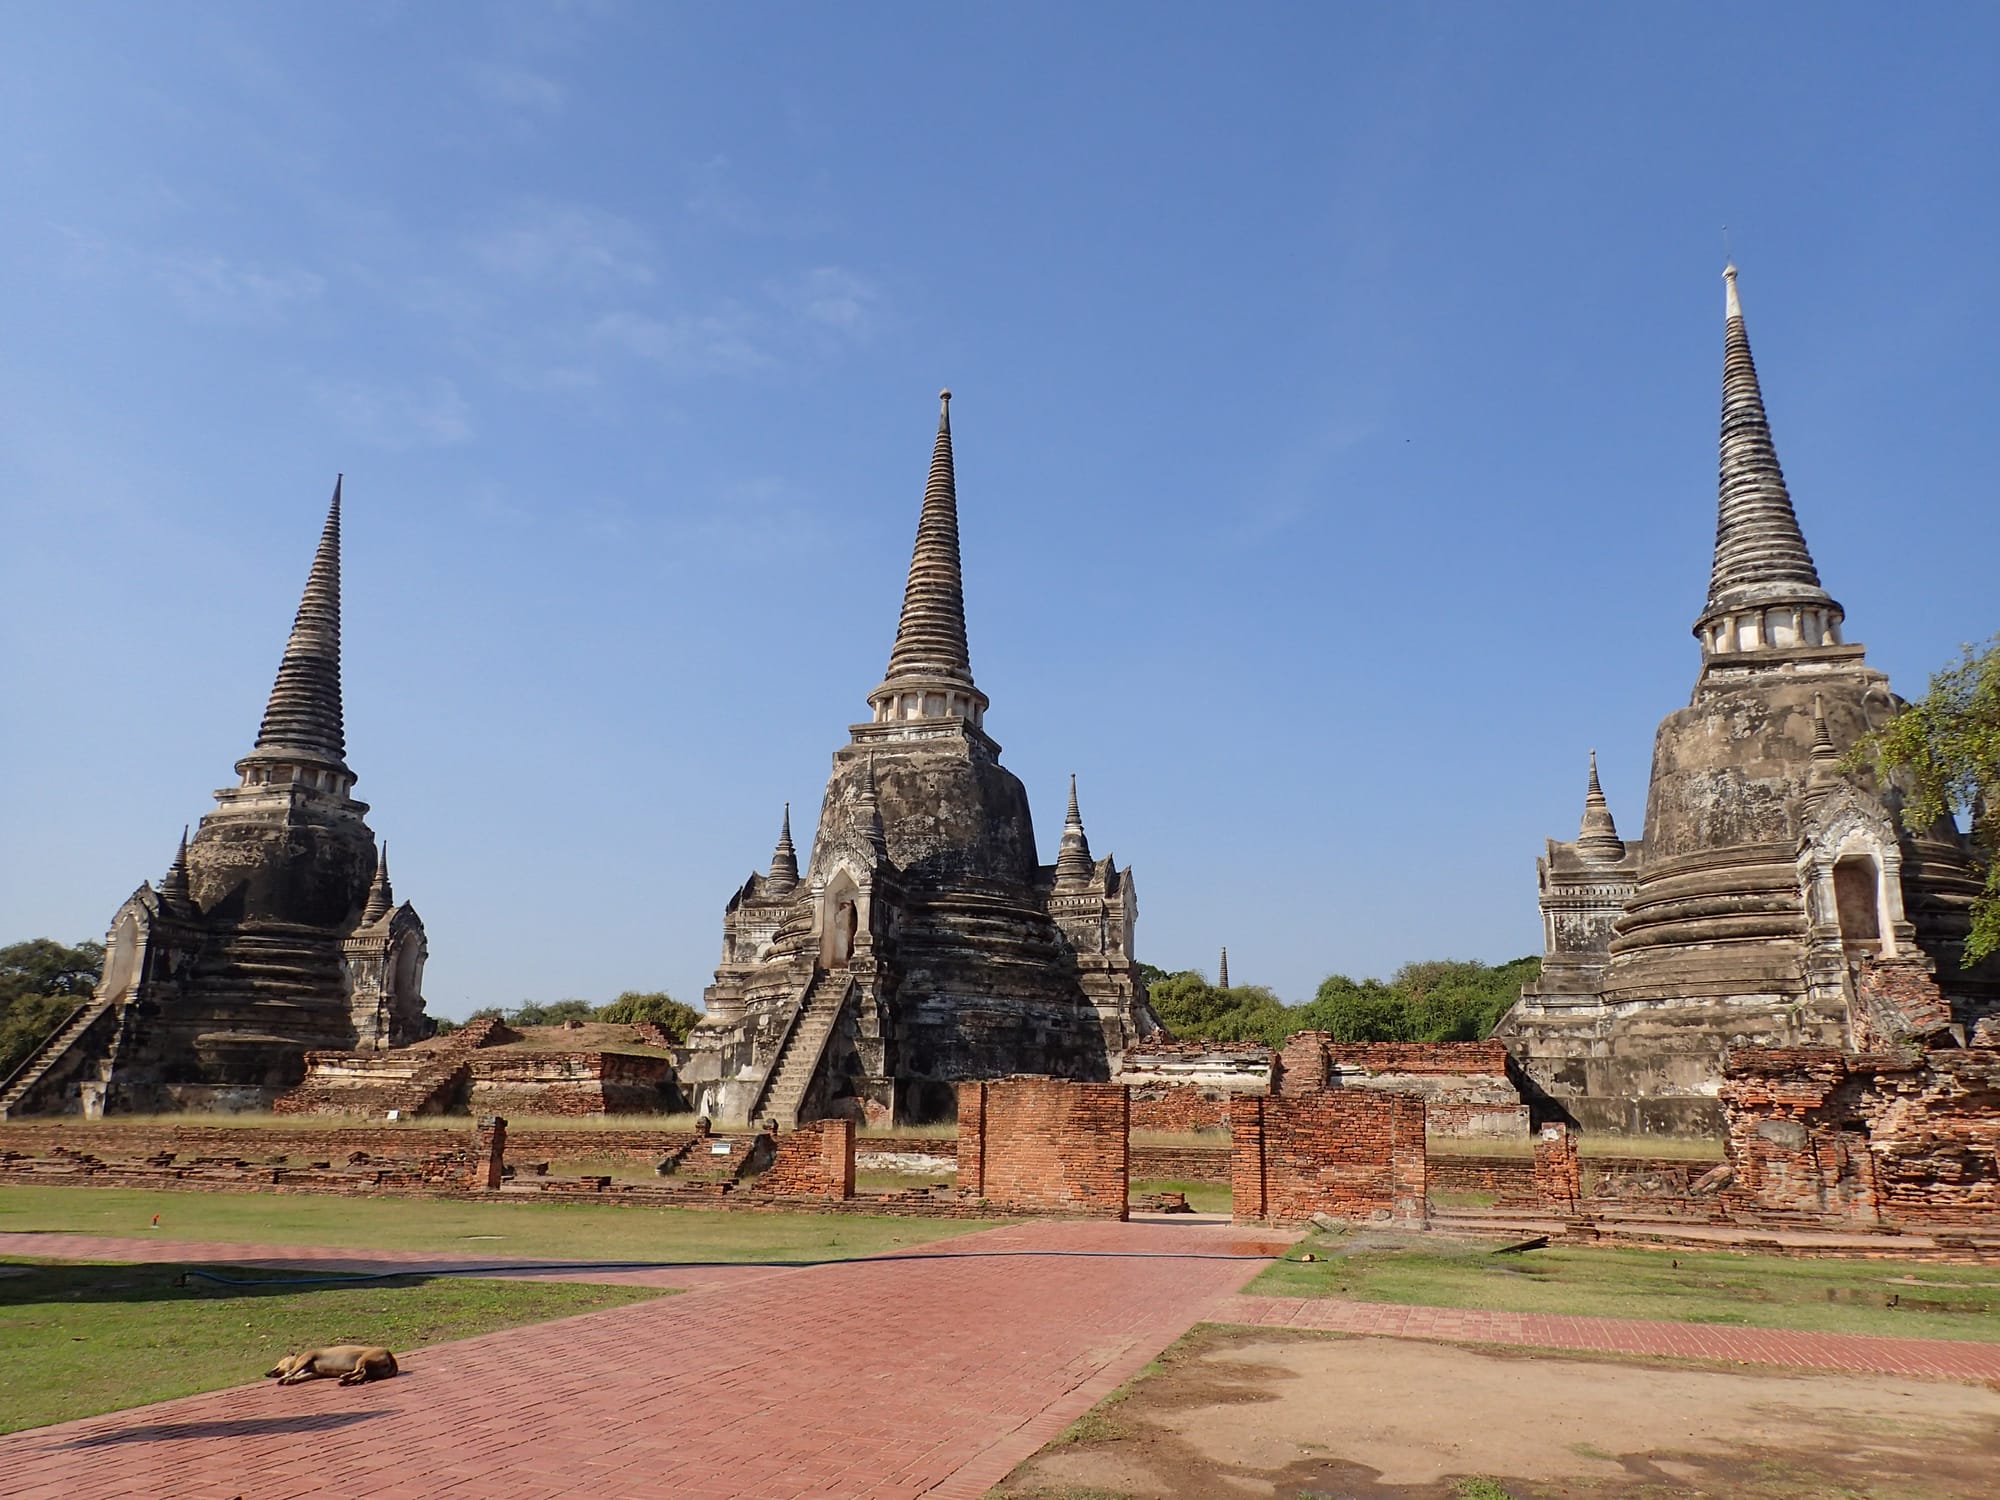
784 859
1761 560
381 896
867 809
1598 839
1074 865
1825 770
1222 970
174 891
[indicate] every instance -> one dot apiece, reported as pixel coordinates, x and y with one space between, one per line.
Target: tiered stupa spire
930 667
381 895
1074 866
1597 838
785 859
303 719
1764 591
1222 970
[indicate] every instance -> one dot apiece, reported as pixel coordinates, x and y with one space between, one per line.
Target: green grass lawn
1202 1197
1903 1300
76 1340
511 1230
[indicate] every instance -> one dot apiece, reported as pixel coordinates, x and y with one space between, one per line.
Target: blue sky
1336 396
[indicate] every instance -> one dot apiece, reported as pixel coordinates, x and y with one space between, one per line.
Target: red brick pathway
1956 1359
928 1373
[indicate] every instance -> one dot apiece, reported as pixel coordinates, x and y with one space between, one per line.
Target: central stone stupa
925 943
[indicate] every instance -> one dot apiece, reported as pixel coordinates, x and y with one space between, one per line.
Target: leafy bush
629 1009
657 1006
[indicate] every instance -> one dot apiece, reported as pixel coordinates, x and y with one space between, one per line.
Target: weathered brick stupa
925 943
1774 900
273 932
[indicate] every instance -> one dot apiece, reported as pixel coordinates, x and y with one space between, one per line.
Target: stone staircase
74 1033
799 1055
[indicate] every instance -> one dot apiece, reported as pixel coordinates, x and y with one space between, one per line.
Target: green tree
1192 1008
551 1013
657 1006
1945 750
1366 1010
41 982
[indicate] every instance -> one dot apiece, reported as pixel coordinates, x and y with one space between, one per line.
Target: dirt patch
1254 1413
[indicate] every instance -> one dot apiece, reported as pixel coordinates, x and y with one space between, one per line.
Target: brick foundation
1044 1145
814 1161
1348 1153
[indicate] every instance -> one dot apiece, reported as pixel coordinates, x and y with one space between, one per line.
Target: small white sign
720 1148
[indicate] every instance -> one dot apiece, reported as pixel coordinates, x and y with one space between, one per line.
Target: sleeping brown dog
353 1363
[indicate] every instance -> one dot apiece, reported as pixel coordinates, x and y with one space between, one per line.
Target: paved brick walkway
931 1372
1852 1353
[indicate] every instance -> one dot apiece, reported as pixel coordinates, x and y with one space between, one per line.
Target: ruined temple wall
1866 1137
1352 1154
570 1083
1467 1085
1045 1145
814 1161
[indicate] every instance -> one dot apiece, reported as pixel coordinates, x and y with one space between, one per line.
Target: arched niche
1857 899
842 919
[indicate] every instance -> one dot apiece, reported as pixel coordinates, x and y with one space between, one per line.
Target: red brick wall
1181 1163
1302 1065
813 1161
1179 1107
1463 1059
1044 1145
1349 1153
1558 1172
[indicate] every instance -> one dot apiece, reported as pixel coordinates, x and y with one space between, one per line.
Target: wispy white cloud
832 298
516 88
724 340
397 416
568 243
213 288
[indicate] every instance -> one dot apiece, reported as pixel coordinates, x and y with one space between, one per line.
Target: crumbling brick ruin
1470 1089
1187 1086
1347 1153
1865 1138
488 1067
1045 1145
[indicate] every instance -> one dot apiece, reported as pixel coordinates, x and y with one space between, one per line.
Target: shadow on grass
240 1427
101 1282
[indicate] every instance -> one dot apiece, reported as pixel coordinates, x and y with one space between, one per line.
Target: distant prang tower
924 943
1775 900
273 932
